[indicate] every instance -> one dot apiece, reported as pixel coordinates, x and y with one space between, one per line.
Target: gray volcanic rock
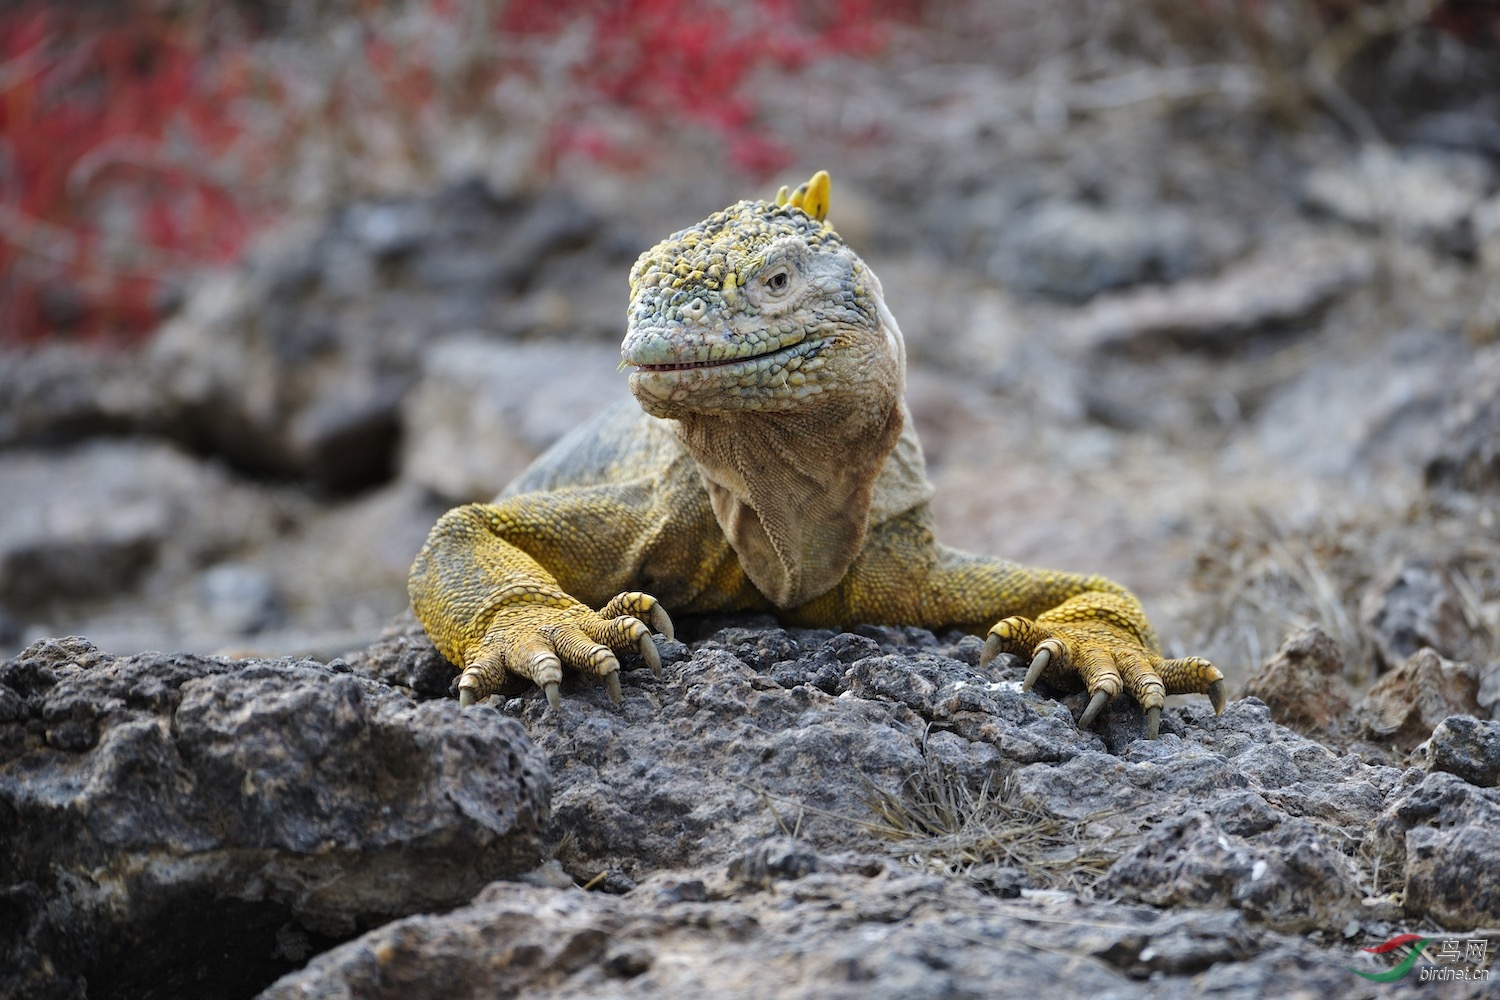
1295 880
1241 812
1304 684
405 658
298 364
95 519
1469 458
1405 705
1423 195
734 745
162 812
874 933
482 411
1072 251
784 812
1464 746
1271 290
711 758
61 393
1445 834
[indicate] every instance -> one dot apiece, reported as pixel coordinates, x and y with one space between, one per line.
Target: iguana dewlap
771 465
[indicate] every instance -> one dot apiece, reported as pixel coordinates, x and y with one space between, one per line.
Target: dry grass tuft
939 825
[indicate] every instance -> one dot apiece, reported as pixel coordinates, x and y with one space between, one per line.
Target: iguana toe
1096 705
1105 658
650 655
1194 675
628 611
1038 666
635 604
538 640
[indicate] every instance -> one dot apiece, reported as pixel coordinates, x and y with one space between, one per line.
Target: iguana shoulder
619 443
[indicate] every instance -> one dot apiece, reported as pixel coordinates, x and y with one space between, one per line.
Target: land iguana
771 465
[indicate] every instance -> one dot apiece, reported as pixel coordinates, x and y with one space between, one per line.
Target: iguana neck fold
793 490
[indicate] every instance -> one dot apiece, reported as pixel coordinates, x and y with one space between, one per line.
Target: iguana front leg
493 609
1077 631
1098 639
509 587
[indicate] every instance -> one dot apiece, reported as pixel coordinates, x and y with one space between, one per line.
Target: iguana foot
1103 658
537 639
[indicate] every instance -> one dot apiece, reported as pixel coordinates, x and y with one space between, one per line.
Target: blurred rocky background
1204 296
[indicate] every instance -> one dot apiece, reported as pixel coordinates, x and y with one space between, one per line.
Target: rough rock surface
1464 746
178 824
878 932
1421 194
1470 456
150 799
312 801
1406 705
1303 684
297 364
299 367
1231 847
1072 252
61 393
1444 833
1280 289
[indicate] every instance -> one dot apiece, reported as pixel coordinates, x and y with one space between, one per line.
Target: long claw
662 622
650 655
1153 722
990 651
1215 694
1100 699
468 685
1038 664
554 695
612 685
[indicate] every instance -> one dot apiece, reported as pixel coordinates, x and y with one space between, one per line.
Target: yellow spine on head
815 196
811 197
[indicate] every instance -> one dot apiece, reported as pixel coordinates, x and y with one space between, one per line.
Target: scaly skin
770 466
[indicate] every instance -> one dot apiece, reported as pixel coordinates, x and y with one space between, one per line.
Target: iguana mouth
687 365
799 347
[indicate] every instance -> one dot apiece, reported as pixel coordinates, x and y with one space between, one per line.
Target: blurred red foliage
127 160
108 134
142 140
671 60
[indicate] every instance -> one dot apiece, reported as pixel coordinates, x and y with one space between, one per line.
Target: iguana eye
778 280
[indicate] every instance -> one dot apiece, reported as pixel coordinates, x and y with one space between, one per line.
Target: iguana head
759 307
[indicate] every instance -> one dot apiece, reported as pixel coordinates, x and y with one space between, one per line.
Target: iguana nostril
694 309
